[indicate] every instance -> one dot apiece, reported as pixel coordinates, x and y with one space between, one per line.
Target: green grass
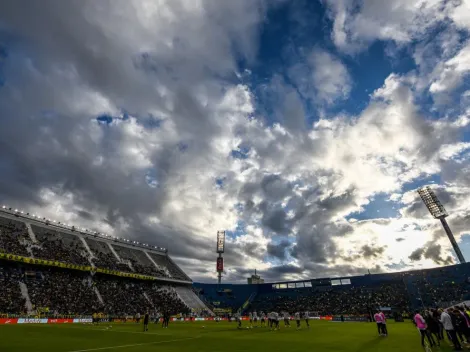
187 336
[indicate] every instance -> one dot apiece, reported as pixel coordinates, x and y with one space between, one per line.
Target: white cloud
460 14
330 77
356 24
451 73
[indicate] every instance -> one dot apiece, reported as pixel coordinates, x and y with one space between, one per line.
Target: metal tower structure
438 211
220 250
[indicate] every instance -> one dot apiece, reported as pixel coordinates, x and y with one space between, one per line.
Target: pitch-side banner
8 321
27 260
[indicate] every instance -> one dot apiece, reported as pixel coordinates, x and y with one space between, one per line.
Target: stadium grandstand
56 273
55 269
402 292
74 271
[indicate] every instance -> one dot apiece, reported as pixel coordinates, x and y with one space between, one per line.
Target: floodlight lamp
432 203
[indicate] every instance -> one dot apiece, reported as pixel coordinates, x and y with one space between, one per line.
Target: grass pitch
210 337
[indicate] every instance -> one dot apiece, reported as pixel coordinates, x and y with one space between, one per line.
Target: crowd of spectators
11 300
335 301
51 246
106 261
68 248
122 297
13 237
63 292
165 299
139 262
441 293
169 269
55 291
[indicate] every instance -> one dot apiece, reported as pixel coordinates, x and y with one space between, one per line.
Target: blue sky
302 128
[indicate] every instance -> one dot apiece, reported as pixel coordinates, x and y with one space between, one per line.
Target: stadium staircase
88 249
147 298
248 302
114 252
153 261
191 299
31 232
25 295
98 294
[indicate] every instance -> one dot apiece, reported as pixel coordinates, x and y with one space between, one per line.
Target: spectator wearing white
446 321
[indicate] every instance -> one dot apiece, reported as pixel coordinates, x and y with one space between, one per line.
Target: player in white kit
271 320
255 318
238 318
297 319
307 317
286 319
263 319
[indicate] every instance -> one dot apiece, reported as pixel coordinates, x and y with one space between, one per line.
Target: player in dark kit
146 321
166 319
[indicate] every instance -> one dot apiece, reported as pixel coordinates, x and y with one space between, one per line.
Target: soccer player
263 319
250 315
137 318
274 320
255 318
278 319
146 321
384 323
307 318
423 329
238 318
286 319
270 320
297 319
157 318
166 320
379 320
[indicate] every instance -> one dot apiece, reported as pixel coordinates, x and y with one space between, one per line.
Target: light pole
220 250
438 211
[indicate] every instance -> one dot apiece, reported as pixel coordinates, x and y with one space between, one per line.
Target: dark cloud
278 250
431 251
86 215
371 252
275 220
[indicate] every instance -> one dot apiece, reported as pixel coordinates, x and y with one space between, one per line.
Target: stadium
64 286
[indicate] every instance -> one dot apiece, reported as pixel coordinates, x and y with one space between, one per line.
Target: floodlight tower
220 250
438 211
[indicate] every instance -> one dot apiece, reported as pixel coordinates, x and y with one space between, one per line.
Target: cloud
356 24
278 250
330 77
369 251
433 252
185 149
451 74
321 77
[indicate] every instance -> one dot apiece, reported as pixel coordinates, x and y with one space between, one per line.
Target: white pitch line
134 345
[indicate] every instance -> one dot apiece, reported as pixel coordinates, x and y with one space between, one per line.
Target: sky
302 128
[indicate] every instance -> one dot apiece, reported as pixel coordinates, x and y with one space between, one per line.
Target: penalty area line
134 345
